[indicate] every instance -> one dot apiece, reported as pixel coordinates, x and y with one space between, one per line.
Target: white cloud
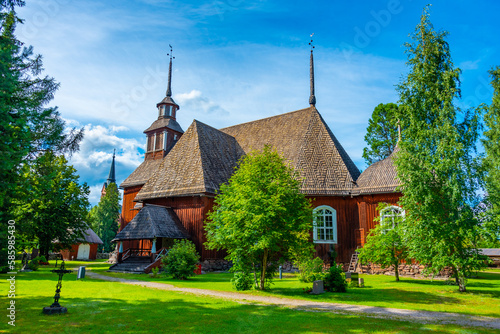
469 65
195 103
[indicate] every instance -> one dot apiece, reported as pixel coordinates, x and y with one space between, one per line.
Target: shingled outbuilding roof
151 222
90 237
380 177
202 159
307 142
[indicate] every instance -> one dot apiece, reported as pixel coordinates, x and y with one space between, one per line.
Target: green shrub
242 281
34 264
181 260
334 280
311 270
154 272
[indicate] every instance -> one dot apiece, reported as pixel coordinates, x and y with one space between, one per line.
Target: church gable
323 163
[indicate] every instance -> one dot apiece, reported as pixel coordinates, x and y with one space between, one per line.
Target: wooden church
169 195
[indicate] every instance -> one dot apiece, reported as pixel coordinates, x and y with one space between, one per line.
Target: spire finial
169 87
312 98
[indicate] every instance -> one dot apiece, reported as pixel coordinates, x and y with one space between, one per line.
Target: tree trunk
459 279
396 271
263 272
255 276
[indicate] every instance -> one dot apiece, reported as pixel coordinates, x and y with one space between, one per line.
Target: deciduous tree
491 162
385 245
436 163
260 216
52 204
382 132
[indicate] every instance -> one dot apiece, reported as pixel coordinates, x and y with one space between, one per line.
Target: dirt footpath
306 305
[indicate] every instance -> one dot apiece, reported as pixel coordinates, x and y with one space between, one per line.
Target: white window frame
388 214
317 229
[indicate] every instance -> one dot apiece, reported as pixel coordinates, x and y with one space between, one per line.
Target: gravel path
371 311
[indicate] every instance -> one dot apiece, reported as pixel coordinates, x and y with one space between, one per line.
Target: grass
107 307
482 296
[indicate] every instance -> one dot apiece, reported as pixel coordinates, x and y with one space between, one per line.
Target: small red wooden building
85 249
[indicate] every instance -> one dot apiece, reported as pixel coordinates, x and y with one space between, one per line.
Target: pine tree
105 217
27 126
436 164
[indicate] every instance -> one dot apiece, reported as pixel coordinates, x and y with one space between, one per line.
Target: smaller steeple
111 176
312 98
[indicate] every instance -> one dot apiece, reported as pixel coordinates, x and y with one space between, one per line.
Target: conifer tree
104 217
436 164
27 126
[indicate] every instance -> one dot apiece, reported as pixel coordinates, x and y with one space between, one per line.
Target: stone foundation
216 265
407 270
101 256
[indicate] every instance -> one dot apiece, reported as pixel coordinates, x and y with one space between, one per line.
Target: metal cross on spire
312 98
169 87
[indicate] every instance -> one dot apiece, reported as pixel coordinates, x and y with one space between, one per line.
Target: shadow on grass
178 314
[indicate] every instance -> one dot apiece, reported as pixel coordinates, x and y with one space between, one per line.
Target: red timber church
169 195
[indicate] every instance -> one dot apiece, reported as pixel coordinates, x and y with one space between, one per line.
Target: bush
181 260
155 272
311 270
242 281
334 280
34 264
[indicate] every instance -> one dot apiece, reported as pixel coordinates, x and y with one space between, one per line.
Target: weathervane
170 54
311 42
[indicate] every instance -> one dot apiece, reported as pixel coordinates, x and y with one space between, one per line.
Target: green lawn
106 307
482 296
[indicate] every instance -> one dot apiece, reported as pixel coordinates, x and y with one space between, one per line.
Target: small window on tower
169 111
161 110
175 137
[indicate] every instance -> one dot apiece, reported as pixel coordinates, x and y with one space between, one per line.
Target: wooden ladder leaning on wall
354 262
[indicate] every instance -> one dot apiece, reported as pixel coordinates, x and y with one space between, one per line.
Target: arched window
391 216
325 225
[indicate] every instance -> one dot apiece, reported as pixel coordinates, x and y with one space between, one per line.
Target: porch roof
151 222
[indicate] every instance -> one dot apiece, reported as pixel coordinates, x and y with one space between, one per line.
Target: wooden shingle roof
380 177
307 142
142 173
163 122
202 159
90 237
153 222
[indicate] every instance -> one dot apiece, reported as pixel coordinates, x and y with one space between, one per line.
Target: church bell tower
165 131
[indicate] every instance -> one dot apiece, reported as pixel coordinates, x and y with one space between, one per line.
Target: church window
391 216
325 225
150 144
169 111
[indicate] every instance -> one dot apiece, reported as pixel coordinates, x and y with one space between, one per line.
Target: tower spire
111 176
312 98
169 87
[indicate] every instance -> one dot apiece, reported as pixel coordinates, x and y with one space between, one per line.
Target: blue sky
238 61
